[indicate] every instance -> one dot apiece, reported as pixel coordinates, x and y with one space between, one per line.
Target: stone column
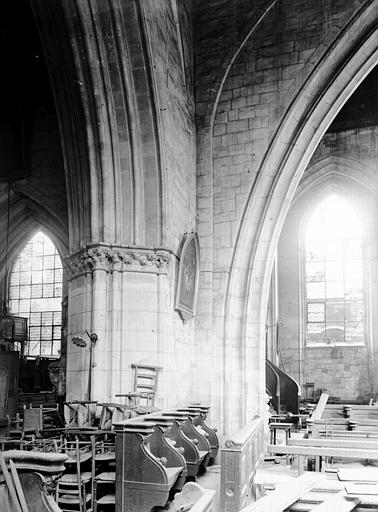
125 296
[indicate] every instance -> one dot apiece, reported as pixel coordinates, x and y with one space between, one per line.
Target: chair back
80 414
145 383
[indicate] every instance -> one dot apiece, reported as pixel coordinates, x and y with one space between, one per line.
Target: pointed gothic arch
333 80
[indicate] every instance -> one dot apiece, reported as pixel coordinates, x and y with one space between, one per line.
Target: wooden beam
344 453
320 406
334 443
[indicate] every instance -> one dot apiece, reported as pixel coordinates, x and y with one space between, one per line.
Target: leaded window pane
334 275
36 292
315 312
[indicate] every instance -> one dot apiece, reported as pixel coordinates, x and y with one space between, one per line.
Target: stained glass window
35 292
335 308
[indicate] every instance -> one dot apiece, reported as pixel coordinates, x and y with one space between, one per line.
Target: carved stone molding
121 259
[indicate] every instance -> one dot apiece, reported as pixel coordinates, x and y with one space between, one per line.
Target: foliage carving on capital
119 259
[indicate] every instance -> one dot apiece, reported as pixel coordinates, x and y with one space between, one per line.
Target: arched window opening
35 292
334 271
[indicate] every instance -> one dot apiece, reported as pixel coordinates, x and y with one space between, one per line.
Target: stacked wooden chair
74 490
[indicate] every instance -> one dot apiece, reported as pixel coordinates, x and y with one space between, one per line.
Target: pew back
239 460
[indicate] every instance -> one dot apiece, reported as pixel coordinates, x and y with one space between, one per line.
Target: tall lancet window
35 292
334 270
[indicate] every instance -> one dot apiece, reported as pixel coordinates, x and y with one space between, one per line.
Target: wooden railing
285 390
239 459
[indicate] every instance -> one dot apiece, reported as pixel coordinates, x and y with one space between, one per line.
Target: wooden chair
145 383
112 413
33 421
74 490
80 414
145 380
104 490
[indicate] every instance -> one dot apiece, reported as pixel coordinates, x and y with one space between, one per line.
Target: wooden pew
183 439
198 415
34 471
185 423
239 459
143 479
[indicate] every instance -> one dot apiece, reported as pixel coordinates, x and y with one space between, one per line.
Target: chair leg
94 496
84 494
78 472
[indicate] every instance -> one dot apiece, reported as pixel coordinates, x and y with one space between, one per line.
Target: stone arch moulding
99 63
336 168
335 77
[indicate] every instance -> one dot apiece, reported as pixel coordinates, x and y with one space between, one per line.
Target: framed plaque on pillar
187 285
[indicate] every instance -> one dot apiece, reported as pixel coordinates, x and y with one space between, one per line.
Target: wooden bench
343 416
239 459
346 434
327 426
331 450
350 411
144 471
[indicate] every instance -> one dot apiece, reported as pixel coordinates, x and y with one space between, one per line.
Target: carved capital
118 259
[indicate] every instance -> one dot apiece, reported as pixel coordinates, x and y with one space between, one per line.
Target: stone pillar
124 295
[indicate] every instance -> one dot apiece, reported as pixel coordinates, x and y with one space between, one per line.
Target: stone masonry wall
248 87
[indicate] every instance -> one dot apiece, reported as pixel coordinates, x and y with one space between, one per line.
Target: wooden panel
282 498
339 502
239 460
360 474
361 488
